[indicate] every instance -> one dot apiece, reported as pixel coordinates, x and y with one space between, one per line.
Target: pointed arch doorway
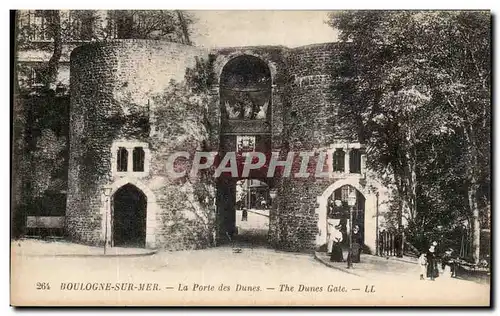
338 212
129 210
364 217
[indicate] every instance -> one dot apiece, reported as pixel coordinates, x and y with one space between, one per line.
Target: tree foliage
416 87
54 28
153 24
181 117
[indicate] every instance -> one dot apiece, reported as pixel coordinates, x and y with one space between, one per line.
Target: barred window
35 77
345 191
36 23
130 158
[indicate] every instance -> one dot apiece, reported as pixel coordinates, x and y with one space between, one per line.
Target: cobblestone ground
219 276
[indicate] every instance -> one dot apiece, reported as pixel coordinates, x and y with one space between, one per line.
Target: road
219 276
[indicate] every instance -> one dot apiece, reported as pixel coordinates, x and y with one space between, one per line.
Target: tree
49 28
153 24
410 79
54 30
462 82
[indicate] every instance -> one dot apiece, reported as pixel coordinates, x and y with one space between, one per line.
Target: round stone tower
311 99
307 211
114 164
306 128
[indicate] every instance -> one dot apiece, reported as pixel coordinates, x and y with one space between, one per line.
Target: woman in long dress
432 269
336 255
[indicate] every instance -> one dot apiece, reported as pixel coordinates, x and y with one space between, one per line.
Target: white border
198 5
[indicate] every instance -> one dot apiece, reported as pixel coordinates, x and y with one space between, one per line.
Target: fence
389 244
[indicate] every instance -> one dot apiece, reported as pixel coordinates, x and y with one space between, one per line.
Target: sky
247 28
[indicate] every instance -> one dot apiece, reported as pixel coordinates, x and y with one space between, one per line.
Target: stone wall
306 127
311 99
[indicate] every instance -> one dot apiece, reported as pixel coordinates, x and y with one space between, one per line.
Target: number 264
42 286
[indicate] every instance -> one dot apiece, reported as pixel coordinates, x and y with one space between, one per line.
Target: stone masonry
114 89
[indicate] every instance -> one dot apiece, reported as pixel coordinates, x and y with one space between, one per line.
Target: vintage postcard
251 158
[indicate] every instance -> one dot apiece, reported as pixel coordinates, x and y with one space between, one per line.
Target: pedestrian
357 244
432 268
336 244
244 215
422 265
447 263
330 234
263 203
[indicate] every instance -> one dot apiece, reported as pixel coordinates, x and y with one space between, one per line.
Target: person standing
447 263
357 244
244 215
263 203
330 234
422 265
336 237
432 271
335 233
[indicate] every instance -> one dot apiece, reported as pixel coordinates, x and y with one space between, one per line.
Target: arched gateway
130 211
129 217
245 105
368 201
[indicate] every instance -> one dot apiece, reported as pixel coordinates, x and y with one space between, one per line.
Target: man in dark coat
432 268
357 244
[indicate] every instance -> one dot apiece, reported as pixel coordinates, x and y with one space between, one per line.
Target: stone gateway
264 99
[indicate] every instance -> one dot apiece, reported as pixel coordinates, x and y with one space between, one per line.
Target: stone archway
370 212
245 91
128 217
223 60
151 210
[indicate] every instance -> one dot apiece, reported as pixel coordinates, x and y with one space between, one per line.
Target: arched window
138 159
122 159
338 160
245 89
